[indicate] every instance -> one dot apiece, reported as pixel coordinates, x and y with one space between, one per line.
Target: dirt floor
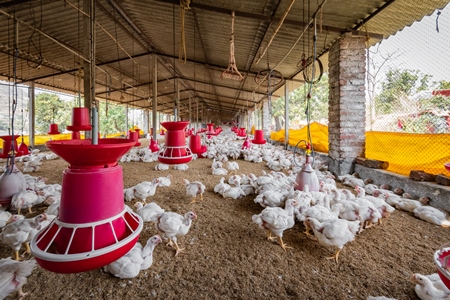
229 257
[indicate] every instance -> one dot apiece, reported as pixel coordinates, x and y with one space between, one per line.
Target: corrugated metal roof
51 40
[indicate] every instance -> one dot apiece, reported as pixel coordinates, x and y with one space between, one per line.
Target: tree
112 118
51 109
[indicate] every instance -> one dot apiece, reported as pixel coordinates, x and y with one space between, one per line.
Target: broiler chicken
24 199
174 225
4 217
334 232
146 189
14 275
221 186
232 166
137 259
432 215
193 189
148 211
21 232
165 181
276 220
426 290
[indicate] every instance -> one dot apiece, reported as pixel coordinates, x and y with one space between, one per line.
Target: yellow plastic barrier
403 151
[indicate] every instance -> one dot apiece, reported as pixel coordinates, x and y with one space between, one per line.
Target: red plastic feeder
133 135
447 166
246 144
241 132
441 259
195 144
80 121
6 147
175 151
210 129
153 146
10 184
259 137
81 239
162 130
53 129
23 148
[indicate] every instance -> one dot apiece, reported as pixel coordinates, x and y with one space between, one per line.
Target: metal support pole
286 115
31 113
89 51
155 95
126 120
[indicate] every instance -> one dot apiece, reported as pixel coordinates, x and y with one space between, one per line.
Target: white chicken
162 167
146 189
148 211
216 164
165 181
4 217
193 189
24 199
426 290
219 171
173 225
232 166
181 167
218 187
21 232
137 259
410 205
234 192
432 215
14 276
334 232
276 220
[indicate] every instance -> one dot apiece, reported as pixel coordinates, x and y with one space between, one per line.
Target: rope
184 4
232 72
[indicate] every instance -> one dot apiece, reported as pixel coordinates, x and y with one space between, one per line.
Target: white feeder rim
438 263
37 252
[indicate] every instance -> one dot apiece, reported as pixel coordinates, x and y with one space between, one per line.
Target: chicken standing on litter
172 225
14 275
276 220
193 189
21 232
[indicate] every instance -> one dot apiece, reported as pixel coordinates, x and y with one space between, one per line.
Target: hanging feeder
134 135
241 132
246 144
441 259
195 144
259 137
80 122
175 151
53 129
153 146
23 148
82 239
6 146
307 175
12 181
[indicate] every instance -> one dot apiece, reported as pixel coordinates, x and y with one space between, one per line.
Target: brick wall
346 128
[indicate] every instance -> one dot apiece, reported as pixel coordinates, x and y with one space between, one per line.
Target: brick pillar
347 104
266 119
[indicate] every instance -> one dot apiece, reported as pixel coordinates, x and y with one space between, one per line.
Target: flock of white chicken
335 216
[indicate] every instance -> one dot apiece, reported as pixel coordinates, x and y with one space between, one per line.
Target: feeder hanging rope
232 72
182 54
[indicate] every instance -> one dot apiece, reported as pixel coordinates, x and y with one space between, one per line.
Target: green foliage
50 109
112 118
297 103
444 85
398 84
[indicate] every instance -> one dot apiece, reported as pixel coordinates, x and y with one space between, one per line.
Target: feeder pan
175 151
153 145
133 135
81 239
53 129
23 148
210 129
447 166
441 259
195 144
308 177
162 130
6 147
259 137
82 154
11 184
246 144
241 132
